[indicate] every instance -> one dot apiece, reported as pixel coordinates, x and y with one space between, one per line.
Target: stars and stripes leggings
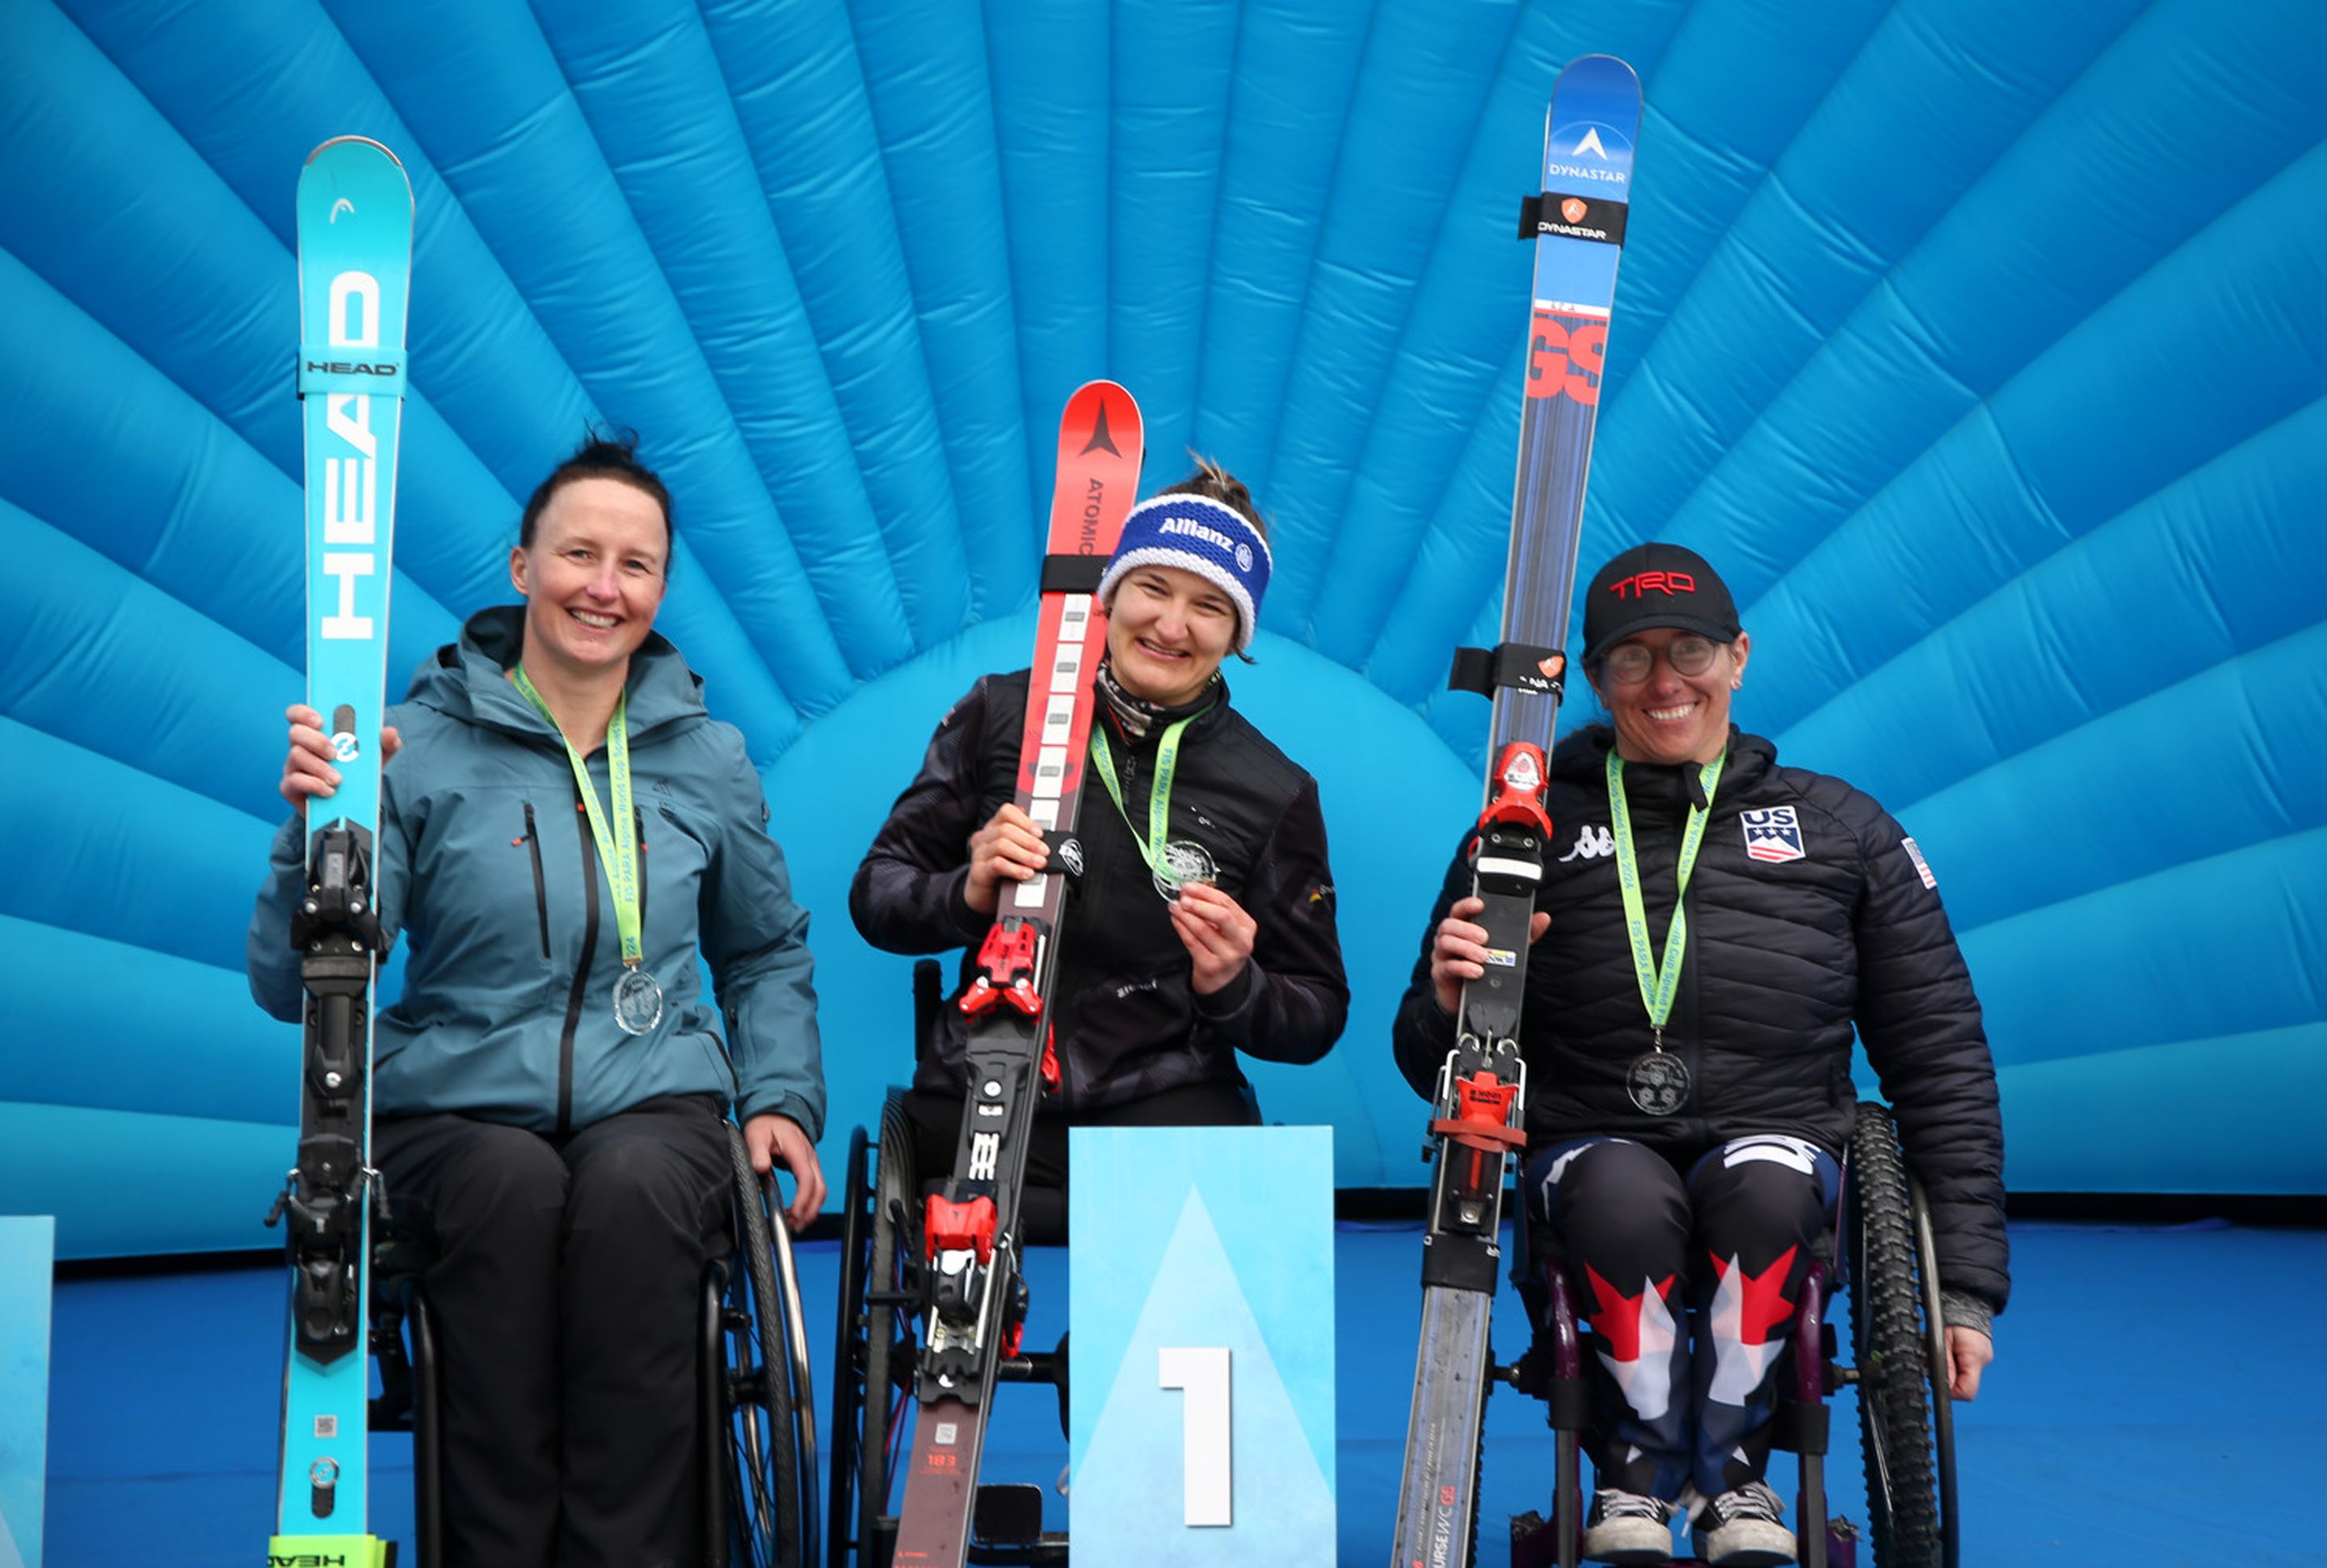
1689 1272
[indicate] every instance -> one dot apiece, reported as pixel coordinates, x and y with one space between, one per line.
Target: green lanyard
1159 797
1658 985
619 855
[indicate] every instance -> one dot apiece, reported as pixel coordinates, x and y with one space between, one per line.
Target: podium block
1200 1305
28 1248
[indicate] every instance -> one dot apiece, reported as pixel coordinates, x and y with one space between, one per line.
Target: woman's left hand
1968 1353
1217 933
775 1140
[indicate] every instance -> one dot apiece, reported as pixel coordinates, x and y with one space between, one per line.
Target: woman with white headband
1203 923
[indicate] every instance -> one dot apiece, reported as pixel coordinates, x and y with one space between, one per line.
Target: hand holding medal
1216 931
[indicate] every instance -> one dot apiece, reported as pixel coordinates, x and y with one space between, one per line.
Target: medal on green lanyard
1658 1081
1170 864
638 996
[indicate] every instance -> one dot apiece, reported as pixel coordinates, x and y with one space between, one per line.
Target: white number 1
1204 1443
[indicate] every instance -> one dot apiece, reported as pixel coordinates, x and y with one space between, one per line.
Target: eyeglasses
1628 663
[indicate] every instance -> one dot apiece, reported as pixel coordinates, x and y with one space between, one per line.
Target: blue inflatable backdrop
1983 347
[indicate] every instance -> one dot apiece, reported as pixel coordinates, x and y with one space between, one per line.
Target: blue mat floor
2147 1377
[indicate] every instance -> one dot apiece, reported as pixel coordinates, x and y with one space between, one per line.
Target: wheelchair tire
1943 1365
1888 1340
889 1335
849 1353
766 1501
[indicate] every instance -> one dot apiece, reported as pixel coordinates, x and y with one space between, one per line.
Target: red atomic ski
973 1306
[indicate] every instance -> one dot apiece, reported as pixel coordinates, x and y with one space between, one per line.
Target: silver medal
1183 860
1657 1083
638 1001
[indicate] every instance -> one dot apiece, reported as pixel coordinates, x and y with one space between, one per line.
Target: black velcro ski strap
1571 217
1521 667
1072 574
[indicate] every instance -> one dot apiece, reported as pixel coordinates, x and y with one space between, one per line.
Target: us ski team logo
1772 835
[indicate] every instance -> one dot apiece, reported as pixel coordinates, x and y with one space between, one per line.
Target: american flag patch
1773 835
1922 866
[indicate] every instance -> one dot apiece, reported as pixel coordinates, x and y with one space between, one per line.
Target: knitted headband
1200 535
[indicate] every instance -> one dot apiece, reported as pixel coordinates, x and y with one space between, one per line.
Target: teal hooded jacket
487 872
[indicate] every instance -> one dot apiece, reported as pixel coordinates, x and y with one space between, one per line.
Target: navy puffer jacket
1834 924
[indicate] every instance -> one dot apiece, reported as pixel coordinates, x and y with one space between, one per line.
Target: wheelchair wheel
874 1356
848 1354
1893 1293
766 1484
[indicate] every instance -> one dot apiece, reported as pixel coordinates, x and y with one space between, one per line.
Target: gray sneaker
1627 1527
1740 1530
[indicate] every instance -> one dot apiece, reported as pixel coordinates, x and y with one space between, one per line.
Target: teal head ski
355 260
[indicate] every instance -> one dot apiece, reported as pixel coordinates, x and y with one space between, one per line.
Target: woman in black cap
1690 1076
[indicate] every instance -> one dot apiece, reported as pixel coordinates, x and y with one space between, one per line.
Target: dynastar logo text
352 478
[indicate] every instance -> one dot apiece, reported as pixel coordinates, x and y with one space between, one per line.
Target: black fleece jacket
1127 1022
1784 955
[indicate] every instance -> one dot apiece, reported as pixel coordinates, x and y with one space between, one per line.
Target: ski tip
1605 65
1102 416
382 148
1102 388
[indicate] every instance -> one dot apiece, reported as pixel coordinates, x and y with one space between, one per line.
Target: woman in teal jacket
549 1088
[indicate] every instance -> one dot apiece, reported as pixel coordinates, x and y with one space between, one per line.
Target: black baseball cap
1651 585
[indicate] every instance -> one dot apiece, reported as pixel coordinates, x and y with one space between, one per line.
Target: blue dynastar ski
1578 225
355 265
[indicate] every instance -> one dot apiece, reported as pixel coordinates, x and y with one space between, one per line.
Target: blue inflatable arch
1983 350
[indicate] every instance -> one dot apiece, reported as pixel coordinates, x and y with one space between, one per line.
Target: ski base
941 1483
1451 1372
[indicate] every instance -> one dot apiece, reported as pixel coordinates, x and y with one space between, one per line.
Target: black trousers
566 1282
1689 1265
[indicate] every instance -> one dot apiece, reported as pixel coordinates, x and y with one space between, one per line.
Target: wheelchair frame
875 1349
755 1402
1901 1369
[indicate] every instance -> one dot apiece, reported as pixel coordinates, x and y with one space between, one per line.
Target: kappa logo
1592 843
1772 837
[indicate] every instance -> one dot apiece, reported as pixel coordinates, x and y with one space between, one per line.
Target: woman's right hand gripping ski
310 771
